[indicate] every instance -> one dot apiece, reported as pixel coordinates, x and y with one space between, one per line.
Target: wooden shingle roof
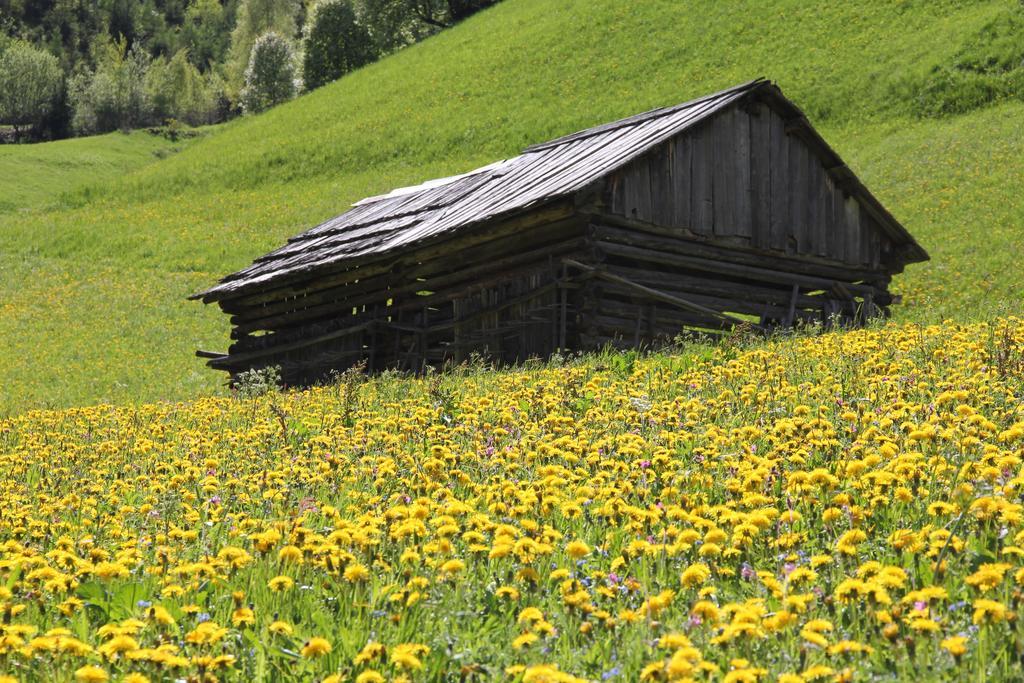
406 217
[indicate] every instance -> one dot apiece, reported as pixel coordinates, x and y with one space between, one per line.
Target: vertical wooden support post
457 355
563 294
520 316
791 313
870 310
372 351
830 311
423 340
552 340
639 322
398 340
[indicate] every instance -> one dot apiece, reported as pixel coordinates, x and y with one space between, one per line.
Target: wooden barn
723 210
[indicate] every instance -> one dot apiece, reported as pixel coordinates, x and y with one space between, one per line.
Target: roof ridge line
642 116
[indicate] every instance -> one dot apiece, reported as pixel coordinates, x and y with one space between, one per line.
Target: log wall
501 294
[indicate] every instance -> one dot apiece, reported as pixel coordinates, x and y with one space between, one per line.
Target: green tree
335 43
396 23
30 83
114 95
205 32
270 78
124 18
176 90
257 18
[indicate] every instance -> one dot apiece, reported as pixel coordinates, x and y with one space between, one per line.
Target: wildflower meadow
839 507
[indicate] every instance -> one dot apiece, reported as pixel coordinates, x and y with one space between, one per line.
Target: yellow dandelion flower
406 655
281 583
525 640
452 567
290 554
955 645
356 573
695 575
988 611
316 647
530 614
577 550
508 593
372 650
91 674
243 616
281 628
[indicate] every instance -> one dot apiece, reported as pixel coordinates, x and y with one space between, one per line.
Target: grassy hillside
34 177
98 310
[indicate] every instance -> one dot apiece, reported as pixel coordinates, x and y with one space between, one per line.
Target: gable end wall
742 179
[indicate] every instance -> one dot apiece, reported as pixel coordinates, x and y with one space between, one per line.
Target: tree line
81 67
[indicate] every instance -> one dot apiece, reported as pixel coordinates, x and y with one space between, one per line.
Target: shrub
30 83
257 382
270 78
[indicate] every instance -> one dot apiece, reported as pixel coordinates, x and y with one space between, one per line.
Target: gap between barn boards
222 359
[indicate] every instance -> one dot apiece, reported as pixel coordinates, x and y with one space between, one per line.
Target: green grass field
93 289
34 177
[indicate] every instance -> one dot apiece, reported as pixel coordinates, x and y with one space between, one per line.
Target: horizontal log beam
612 228
756 274
659 295
236 359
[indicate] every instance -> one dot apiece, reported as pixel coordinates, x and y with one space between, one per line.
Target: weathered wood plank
760 177
682 155
618 229
836 234
728 304
617 193
679 282
851 222
653 293
822 188
702 184
727 268
798 238
638 190
663 193
743 187
816 224
240 359
780 223
723 171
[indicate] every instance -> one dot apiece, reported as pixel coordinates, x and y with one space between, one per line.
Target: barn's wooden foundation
729 209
